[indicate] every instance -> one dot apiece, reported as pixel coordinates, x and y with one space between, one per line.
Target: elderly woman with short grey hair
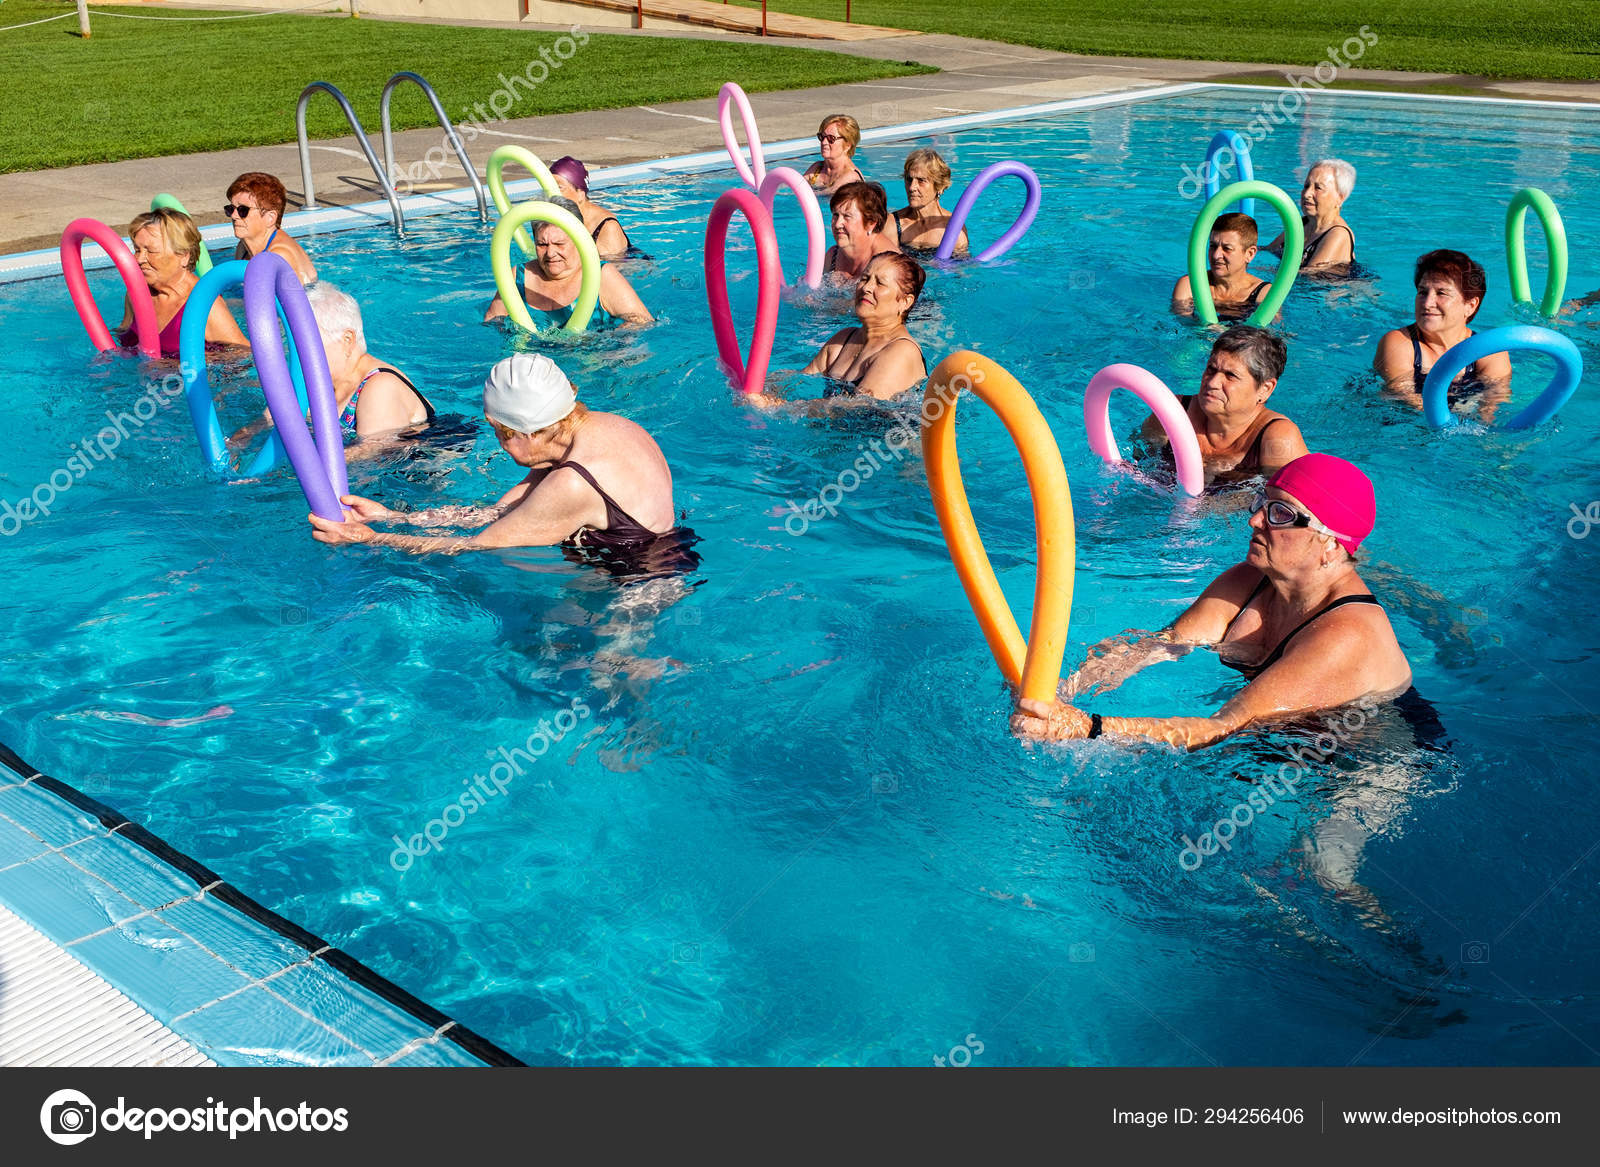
374 399
1330 246
552 279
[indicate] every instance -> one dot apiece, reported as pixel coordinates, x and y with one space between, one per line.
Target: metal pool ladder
361 137
444 124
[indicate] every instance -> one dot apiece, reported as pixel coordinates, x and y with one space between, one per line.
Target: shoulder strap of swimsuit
616 517
1261 586
1416 354
601 227
1261 290
913 340
1252 456
405 380
1272 657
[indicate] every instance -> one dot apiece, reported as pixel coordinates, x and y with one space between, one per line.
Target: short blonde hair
929 160
177 228
848 130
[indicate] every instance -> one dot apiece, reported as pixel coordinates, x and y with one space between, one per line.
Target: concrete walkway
976 76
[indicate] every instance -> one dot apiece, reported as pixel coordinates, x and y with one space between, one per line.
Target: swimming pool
783 822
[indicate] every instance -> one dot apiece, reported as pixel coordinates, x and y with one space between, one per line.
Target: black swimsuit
832 392
627 243
626 547
1251 672
1311 244
1244 308
1468 384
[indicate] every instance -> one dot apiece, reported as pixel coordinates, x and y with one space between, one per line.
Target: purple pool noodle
958 217
320 466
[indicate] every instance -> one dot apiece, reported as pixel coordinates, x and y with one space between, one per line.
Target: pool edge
211 884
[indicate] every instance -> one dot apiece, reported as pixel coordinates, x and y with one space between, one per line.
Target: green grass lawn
145 88
1554 39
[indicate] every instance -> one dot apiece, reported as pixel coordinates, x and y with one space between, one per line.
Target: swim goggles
1281 514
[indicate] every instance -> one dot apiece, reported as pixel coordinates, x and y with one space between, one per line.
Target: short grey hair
561 201
1264 355
336 312
1344 175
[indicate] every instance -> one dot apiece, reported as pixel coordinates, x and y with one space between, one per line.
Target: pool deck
975 77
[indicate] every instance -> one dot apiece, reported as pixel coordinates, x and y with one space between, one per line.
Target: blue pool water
783 821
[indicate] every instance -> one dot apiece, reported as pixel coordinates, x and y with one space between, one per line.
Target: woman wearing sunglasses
839 135
1294 618
255 207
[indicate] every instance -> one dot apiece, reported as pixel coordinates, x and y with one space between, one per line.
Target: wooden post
640 17
763 16
83 19
847 11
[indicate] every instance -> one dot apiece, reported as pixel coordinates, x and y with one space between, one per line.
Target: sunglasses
243 211
830 137
1281 514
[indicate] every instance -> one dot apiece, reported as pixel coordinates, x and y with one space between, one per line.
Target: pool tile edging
209 885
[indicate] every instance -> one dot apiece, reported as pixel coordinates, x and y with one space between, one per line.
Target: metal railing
361 138
444 124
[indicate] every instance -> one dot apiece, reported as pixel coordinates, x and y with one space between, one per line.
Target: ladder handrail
444 124
361 137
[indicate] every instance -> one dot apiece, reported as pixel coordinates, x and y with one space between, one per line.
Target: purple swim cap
573 171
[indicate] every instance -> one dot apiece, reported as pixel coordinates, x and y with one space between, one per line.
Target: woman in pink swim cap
1294 618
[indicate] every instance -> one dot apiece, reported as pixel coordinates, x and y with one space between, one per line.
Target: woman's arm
544 517
1182 297
1116 658
1394 363
1323 668
1495 372
1281 443
613 240
452 516
1276 246
1205 621
222 328
618 298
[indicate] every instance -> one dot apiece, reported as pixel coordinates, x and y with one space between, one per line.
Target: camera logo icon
1081 952
686 953
1475 952
68 1117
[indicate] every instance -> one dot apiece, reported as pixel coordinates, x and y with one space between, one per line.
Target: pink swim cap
1336 493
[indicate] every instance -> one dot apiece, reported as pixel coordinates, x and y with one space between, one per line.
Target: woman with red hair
1450 288
255 207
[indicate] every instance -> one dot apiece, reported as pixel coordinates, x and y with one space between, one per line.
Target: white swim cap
527 392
